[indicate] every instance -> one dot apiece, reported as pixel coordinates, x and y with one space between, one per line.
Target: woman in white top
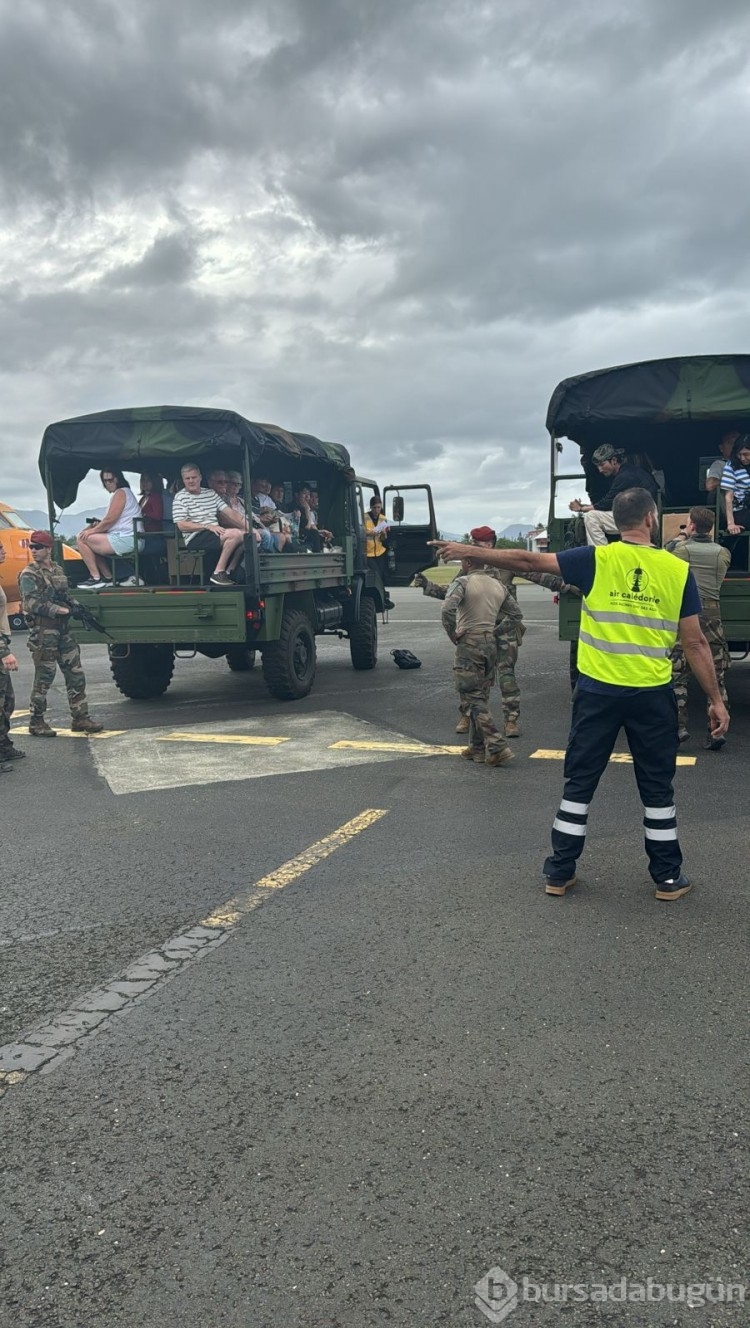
114 534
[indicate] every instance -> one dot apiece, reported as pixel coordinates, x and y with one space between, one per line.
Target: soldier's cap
41 537
483 534
607 453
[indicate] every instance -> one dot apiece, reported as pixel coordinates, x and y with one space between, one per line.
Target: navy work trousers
649 718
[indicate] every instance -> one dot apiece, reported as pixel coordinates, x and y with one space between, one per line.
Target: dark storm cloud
393 223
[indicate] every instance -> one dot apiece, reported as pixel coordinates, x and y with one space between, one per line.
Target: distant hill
69 524
513 532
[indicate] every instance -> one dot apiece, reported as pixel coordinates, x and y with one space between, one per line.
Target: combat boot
473 754
511 728
86 725
463 724
500 758
39 728
10 753
5 767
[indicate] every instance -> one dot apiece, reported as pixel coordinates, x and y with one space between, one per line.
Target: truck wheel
289 663
146 671
363 636
240 659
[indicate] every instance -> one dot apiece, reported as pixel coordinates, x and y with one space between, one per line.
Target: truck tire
145 672
289 663
363 636
240 659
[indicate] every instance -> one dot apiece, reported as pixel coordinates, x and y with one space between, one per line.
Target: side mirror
398 508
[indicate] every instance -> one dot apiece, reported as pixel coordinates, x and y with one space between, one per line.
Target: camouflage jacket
507 578
508 623
38 587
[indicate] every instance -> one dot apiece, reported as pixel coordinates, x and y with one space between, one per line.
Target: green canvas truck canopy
652 396
152 437
669 414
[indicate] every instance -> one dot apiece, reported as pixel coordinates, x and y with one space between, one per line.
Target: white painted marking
141 760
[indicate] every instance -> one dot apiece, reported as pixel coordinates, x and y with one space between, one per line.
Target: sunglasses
39 546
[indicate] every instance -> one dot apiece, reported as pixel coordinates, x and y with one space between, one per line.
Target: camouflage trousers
507 656
50 648
7 706
713 631
474 673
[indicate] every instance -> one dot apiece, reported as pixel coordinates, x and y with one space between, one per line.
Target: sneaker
463 724
89 584
86 725
101 584
131 581
388 602
11 753
714 744
511 729
559 887
221 579
473 754
39 728
682 734
673 889
5 767
499 758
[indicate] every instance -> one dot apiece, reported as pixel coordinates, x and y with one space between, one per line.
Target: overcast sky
396 224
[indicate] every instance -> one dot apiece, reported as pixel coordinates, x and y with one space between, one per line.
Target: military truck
668 415
285 600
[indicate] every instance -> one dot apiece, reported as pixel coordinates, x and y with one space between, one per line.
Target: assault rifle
80 613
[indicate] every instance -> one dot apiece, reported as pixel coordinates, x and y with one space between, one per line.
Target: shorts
204 539
122 544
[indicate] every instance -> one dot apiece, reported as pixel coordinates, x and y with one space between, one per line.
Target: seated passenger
270 537
597 517
260 489
309 532
217 480
208 522
716 469
735 487
113 535
232 495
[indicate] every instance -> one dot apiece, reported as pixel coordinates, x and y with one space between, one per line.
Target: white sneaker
98 585
131 581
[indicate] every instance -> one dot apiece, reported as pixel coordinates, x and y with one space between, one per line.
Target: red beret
483 533
41 537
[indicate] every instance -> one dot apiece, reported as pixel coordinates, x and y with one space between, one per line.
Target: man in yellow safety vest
637 601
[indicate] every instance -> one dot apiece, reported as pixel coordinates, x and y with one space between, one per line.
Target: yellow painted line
228 914
18 714
150 971
223 737
68 733
424 748
617 758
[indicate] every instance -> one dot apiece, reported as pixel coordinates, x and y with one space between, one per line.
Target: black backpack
406 660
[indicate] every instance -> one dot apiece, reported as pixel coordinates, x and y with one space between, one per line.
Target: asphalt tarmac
292 1035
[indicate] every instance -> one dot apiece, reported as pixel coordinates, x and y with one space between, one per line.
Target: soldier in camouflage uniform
708 562
472 610
509 634
42 584
8 665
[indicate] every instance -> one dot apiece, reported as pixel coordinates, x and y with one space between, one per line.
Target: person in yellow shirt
376 546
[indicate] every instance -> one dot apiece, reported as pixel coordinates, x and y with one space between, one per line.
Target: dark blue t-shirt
578 568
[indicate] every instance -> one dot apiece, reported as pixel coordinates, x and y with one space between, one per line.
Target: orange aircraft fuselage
14 537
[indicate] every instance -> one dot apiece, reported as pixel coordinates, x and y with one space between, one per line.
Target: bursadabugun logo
497 1295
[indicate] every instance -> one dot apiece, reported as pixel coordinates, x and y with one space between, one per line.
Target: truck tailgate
186 615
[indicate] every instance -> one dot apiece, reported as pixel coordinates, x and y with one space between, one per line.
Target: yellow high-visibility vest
630 618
